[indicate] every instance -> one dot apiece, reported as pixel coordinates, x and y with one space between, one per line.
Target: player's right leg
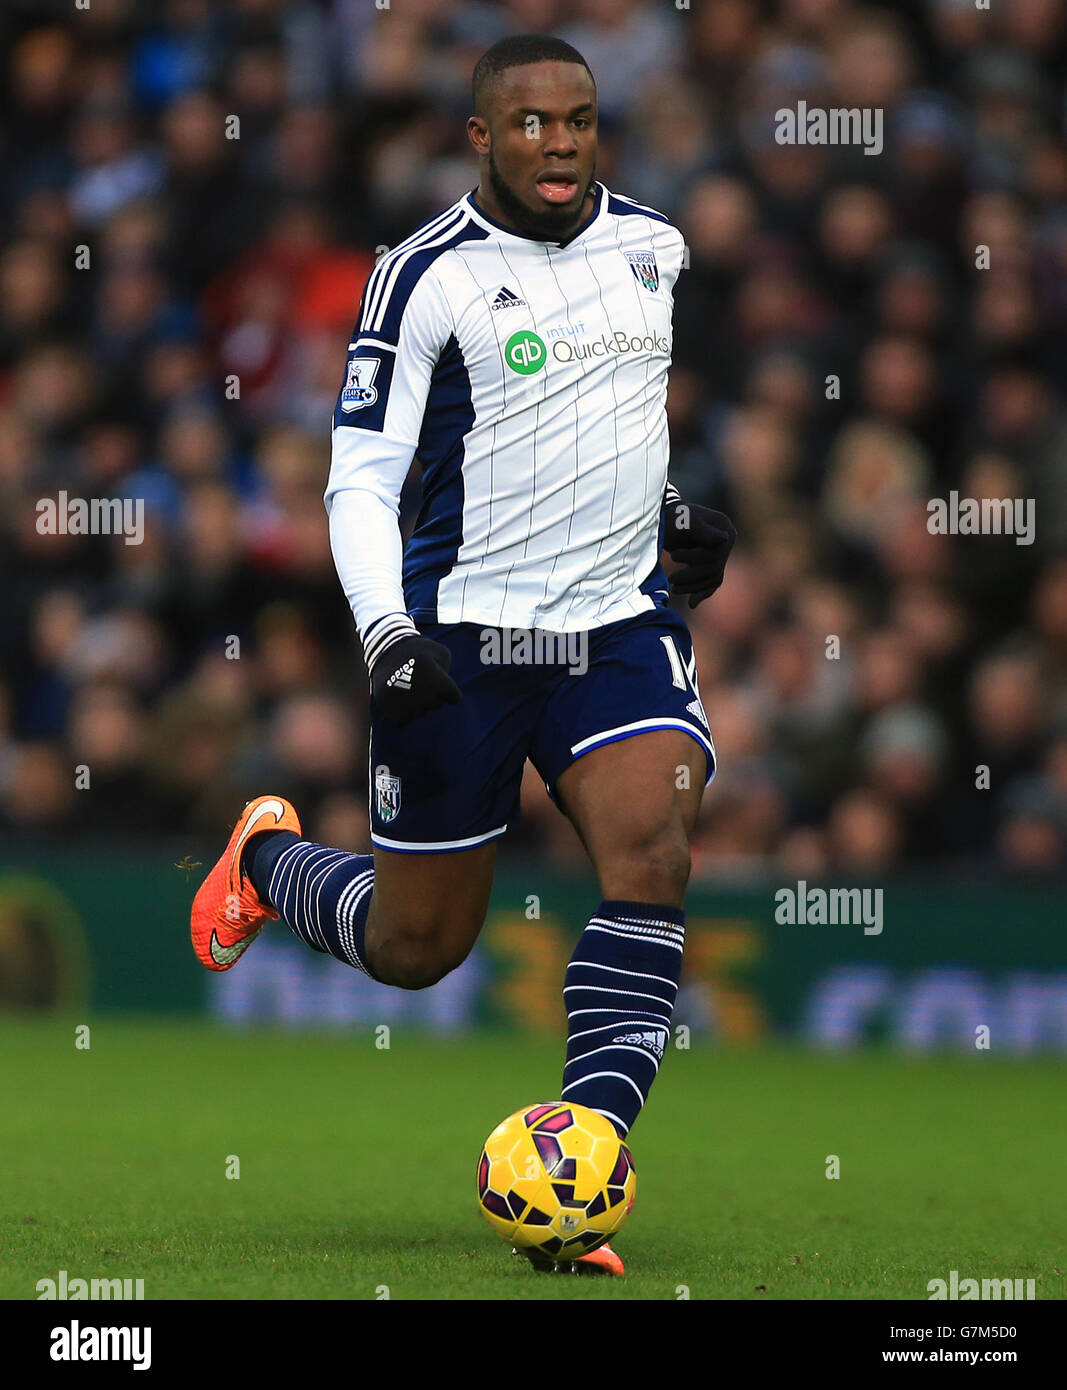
228 913
442 791
426 912
406 920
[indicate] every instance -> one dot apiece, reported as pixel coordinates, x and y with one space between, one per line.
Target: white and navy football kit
530 378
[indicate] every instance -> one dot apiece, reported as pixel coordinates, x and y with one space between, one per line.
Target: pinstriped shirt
530 378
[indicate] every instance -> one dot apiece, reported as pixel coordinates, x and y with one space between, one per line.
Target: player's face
539 141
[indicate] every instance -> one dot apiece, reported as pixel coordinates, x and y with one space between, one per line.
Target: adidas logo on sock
401 677
654 1040
507 299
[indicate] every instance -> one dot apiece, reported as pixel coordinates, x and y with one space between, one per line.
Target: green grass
357 1168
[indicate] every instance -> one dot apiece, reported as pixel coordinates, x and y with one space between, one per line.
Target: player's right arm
395 346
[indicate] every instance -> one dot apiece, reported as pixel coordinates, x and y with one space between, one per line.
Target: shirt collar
483 218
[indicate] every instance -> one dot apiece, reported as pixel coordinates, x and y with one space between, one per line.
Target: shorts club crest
386 796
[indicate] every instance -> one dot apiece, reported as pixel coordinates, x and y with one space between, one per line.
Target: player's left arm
697 538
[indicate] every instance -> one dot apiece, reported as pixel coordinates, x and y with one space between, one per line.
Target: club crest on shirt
643 265
386 795
357 392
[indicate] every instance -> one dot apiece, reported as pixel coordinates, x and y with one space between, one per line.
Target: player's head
534 127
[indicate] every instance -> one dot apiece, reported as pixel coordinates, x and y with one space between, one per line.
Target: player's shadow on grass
354 1242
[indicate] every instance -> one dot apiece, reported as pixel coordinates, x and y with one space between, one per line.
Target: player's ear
478 134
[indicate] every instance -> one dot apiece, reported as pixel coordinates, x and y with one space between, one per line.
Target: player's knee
417 959
418 970
649 866
413 963
667 867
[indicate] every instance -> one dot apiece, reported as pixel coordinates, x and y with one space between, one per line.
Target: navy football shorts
450 780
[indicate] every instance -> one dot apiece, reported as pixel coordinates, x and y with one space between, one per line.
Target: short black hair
515 52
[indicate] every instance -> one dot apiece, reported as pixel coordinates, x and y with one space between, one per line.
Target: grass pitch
357 1168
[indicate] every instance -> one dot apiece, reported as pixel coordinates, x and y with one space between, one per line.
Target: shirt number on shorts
683 675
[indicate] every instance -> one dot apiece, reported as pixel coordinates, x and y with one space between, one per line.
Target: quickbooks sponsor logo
567 330
610 345
524 352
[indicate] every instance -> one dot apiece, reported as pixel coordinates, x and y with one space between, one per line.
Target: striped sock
619 991
322 894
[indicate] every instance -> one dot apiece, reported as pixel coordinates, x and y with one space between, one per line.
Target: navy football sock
619 992
321 894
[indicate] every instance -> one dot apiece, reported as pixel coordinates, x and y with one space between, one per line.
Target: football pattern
556 1177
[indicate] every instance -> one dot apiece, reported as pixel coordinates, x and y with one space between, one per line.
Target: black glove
700 540
410 678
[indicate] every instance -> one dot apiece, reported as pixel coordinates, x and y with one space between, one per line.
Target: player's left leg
625 750
634 803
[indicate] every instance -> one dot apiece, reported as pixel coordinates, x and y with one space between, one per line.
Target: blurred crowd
176 290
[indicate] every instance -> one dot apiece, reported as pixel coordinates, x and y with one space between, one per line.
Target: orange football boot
602 1260
228 914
